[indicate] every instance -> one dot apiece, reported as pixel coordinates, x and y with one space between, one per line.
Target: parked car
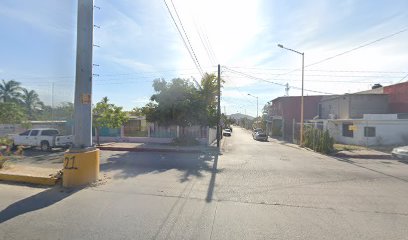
255 130
45 138
230 128
400 152
261 136
226 132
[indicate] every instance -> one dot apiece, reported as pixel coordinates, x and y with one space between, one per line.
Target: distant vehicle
261 136
45 138
400 152
255 131
230 128
226 132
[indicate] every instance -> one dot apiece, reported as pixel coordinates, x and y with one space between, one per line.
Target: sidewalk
30 174
363 154
151 147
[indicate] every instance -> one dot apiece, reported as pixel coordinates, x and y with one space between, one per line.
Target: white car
45 138
400 152
226 132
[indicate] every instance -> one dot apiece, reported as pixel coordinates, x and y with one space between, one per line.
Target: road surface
254 190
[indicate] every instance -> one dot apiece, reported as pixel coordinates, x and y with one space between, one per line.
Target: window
25 133
369 131
347 131
34 133
49 133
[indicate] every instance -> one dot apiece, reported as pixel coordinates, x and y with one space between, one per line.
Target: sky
348 45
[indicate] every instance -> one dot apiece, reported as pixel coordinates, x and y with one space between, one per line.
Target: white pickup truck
45 138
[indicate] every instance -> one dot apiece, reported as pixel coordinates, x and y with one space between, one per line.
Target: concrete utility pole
219 107
302 102
256 104
81 162
83 78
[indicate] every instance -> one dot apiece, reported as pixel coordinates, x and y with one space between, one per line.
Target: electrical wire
279 84
191 52
350 50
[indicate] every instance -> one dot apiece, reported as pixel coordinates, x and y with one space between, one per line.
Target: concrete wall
336 106
6 129
288 108
353 106
366 104
388 132
212 135
398 97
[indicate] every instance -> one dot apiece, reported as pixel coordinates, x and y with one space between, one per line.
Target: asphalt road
254 190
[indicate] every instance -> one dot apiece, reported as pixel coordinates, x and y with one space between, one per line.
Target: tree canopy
108 115
180 102
10 91
11 112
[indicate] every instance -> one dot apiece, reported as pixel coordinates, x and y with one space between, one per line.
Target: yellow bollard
80 167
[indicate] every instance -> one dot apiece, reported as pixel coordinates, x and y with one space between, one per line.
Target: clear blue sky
139 43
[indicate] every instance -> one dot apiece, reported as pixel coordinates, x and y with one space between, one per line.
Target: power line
190 51
403 78
204 44
279 84
351 50
358 47
320 70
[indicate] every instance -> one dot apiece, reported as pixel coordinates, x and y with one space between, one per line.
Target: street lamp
256 103
301 104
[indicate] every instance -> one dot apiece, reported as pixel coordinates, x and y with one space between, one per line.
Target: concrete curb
15 177
144 149
363 156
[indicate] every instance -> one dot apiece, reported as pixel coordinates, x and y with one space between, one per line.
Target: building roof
294 97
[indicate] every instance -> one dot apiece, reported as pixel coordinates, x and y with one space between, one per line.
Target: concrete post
81 162
83 78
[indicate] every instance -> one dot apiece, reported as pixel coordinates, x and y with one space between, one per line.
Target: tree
136 112
11 113
64 111
10 91
31 102
107 115
174 103
180 102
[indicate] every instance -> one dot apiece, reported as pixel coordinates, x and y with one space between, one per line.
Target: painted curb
48 181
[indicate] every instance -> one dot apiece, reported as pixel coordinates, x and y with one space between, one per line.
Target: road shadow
34 156
131 164
36 202
211 185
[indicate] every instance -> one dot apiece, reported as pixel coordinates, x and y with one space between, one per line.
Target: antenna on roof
287 89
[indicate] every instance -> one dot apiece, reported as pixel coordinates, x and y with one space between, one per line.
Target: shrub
318 140
6 152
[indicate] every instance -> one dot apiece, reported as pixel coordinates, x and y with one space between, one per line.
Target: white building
371 130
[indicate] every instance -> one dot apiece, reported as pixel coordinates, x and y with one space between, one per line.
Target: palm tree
31 101
10 91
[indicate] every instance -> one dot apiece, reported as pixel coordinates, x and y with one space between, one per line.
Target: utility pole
302 101
83 78
219 107
81 162
52 103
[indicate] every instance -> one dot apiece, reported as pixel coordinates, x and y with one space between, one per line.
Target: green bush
5 141
318 140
